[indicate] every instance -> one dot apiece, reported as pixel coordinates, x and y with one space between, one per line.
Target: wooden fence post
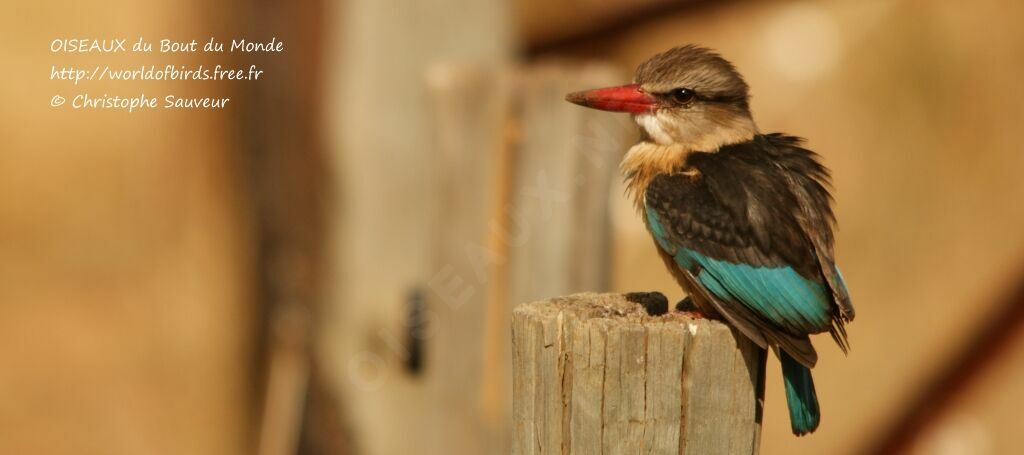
593 373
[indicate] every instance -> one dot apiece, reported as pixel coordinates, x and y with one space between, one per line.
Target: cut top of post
594 373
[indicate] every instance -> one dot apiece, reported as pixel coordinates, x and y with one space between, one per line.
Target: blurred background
328 265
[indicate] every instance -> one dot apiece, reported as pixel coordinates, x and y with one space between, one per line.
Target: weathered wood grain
593 373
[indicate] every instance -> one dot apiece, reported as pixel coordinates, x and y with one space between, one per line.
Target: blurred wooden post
470 118
566 157
524 179
385 224
593 373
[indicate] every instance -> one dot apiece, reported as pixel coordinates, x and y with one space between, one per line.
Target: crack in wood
617 380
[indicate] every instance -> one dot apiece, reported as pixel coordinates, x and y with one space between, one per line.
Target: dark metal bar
991 340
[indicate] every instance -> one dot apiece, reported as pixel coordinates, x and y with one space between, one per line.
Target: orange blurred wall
124 257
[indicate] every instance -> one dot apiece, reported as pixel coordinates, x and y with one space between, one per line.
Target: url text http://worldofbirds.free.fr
112 74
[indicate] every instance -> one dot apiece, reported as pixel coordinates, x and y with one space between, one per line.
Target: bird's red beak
625 98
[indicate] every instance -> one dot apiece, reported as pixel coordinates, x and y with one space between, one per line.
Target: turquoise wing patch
778 294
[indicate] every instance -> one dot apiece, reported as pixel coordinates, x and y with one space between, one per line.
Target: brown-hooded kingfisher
743 220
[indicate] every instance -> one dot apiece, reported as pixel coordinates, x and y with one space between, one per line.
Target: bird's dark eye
682 95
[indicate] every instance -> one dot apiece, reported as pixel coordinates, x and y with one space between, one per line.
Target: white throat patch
652 125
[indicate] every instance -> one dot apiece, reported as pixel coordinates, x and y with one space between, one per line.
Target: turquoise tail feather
804 414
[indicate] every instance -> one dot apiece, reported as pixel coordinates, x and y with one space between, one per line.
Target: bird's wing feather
807 180
769 288
768 267
756 328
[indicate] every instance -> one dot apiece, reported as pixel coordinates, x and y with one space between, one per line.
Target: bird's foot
655 303
686 306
